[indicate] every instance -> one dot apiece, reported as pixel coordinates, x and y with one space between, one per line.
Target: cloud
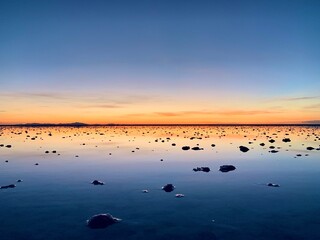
101 106
224 112
50 95
314 106
300 98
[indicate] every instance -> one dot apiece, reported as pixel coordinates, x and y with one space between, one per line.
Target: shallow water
56 198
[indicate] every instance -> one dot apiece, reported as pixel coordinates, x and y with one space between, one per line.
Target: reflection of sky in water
56 198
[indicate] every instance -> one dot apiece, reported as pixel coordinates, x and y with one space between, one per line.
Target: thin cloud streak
225 113
300 98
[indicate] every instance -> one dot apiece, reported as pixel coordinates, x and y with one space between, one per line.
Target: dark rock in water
213 145
36 164
273 151
46 152
273 185
271 141
54 151
168 188
97 182
286 140
227 168
1 145
8 186
196 148
185 148
19 180
310 148
8 146
173 144
6 161
262 144
244 149
203 169
102 221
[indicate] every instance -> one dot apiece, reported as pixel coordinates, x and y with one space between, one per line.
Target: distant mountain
75 124
317 122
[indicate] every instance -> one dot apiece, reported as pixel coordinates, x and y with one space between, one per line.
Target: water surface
56 198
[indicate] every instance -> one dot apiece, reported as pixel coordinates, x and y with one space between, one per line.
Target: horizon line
79 124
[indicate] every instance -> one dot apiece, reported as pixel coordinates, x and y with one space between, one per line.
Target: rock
46 152
244 149
8 186
173 144
273 151
203 169
271 141
179 195
8 146
97 182
262 144
168 188
19 180
185 148
196 148
102 221
145 191
310 148
273 185
286 140
36 164
227 168
213 145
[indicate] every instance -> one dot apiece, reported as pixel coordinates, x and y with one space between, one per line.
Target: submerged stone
185 148
227 168
168 187
102 221
310 148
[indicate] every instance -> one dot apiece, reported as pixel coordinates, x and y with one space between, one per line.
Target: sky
159 61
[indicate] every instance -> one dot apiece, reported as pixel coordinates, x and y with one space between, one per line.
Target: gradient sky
159 61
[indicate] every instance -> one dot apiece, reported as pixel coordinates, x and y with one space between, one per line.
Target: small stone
8 186
168 187
97 182
179 195
244 149
227 168
102 221
196 148
273 185
145 191
185 148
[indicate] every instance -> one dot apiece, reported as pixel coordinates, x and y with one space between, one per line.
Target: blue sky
206 50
